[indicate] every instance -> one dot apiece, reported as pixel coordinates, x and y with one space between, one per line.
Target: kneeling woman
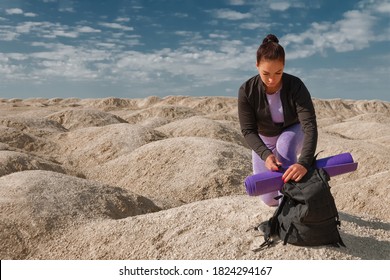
277 117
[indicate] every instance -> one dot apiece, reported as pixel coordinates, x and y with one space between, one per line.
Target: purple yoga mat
269 181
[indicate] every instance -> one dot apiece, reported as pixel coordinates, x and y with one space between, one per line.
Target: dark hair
270 49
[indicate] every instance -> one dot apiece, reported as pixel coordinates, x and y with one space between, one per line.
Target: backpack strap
267 243
270 228
341 242
290 228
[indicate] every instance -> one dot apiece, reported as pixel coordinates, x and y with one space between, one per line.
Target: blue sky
139 48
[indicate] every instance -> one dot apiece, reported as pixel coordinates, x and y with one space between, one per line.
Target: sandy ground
162 178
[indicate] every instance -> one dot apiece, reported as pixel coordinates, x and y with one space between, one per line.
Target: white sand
162 178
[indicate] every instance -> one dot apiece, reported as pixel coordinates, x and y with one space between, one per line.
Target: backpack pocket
313 234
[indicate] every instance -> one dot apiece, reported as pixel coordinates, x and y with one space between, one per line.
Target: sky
141 48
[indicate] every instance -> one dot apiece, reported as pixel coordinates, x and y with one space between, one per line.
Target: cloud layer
118 51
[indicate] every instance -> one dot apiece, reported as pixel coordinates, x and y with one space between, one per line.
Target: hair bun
270 38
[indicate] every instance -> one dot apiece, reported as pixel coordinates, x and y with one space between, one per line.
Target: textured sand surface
162 178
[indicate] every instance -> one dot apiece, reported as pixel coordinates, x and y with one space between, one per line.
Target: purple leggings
285 147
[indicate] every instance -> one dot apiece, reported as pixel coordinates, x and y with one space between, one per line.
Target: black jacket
255 116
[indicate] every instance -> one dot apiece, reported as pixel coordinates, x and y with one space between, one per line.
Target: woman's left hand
295 172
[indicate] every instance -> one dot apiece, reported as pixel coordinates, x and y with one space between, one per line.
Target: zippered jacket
255 116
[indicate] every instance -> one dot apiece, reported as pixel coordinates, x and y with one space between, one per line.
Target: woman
277 117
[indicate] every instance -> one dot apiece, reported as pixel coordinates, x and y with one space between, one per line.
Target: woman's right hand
272 163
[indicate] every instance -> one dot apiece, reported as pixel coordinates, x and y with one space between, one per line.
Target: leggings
286 148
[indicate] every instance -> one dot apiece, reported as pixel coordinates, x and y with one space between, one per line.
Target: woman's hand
272 163
295 172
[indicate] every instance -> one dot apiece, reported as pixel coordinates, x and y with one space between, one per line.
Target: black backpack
307 214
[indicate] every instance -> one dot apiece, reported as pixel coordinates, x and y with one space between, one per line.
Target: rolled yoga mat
269 181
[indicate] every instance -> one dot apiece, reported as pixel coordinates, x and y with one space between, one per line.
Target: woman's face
271 73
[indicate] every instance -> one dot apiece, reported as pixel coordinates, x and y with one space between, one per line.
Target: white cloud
218 36
383 7
114 25
180 15
25 27
106 45
66 6
122 19
230 14
202 58
3 57
12 56
347 83
108 60
42 44
188 63
8 35
63 33
236 2
379 6
355 31
254 25
184 33
87 29
14 11
17 56
73 63
47 30
279 6
18 11
44 29
30 14
7 69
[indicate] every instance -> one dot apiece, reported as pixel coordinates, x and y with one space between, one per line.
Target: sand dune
74 118
200 126
179 170
36 205
162 178
12 161
91 146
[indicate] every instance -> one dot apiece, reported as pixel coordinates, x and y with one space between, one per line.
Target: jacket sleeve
248 124
307 117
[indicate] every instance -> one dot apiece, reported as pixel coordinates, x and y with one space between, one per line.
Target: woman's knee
290 142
